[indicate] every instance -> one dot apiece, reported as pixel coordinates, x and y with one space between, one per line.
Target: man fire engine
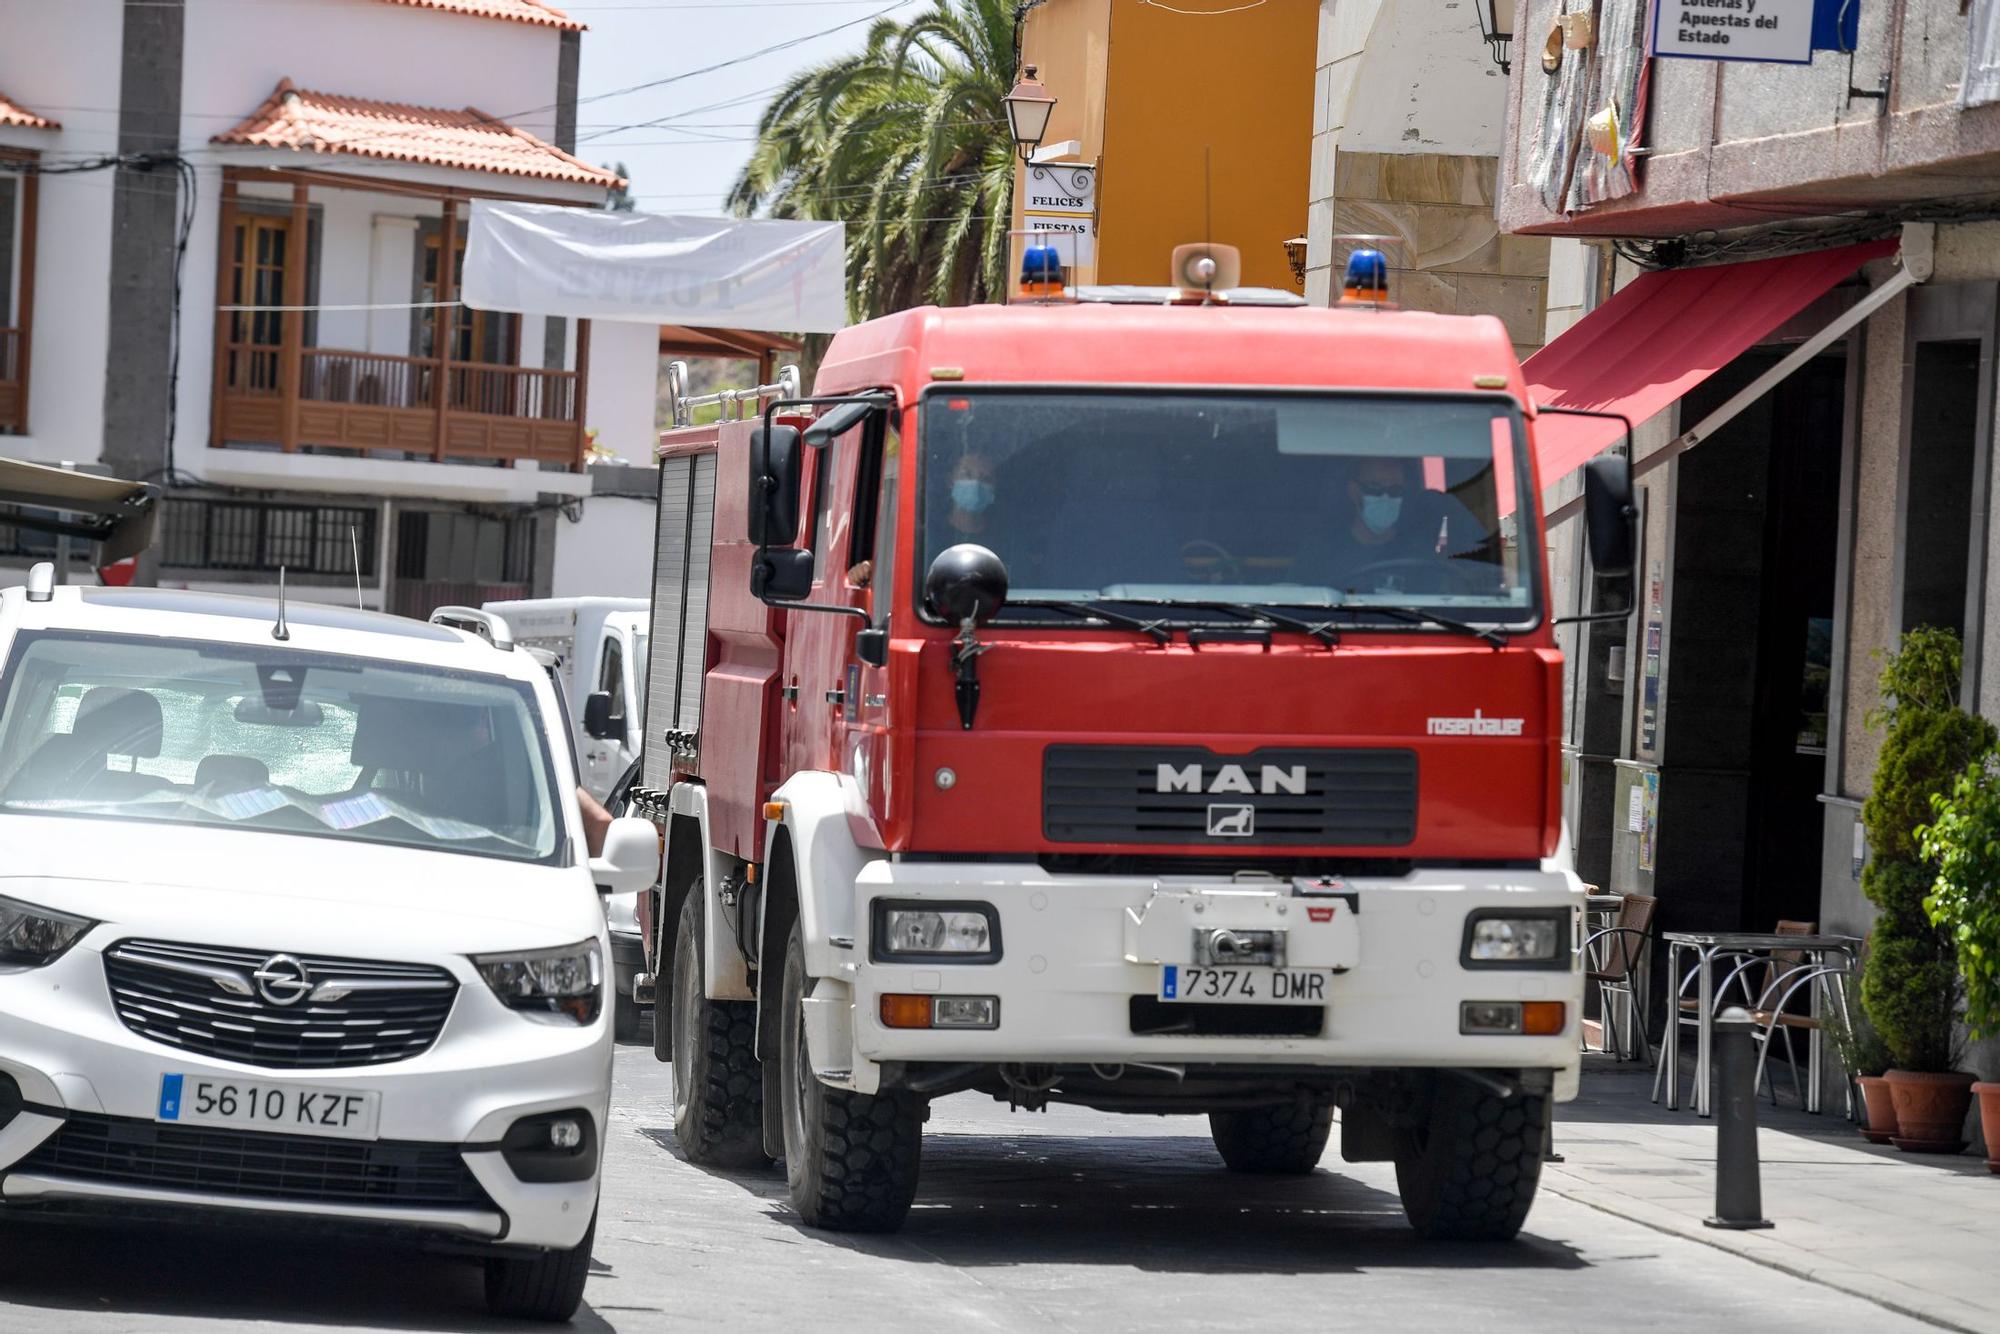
1145 700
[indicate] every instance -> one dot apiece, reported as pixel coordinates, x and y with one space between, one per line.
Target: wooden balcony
13 383
375 403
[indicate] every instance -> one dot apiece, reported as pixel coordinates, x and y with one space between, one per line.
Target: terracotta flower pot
1930 1110
1880 1126
1989 1121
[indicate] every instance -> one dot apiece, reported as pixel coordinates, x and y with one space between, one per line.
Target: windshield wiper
1412 616
1321 630
1098 612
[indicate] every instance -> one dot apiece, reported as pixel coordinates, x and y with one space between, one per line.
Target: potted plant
1865 1057
1964 903
1910 985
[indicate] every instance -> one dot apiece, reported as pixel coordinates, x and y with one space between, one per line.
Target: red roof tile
13 113
519 11
468 139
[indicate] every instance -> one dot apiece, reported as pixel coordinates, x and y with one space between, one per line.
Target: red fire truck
1144 700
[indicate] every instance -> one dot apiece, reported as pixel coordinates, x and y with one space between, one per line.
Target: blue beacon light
1041 270
1367 281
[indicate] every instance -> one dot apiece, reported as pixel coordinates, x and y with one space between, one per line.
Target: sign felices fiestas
1777 31
1062 198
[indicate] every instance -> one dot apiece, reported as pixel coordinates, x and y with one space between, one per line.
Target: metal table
1706 946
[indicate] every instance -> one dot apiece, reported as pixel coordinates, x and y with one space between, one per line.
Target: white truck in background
599 650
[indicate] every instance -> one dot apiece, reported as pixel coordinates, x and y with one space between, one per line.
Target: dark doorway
1937 527
1750 654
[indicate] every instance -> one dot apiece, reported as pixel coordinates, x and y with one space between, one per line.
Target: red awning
1664 334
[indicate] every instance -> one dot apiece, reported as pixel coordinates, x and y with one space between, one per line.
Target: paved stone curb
1763 1249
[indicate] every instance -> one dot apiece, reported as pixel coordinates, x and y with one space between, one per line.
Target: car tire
1276 1141
1470 1173
545 1286
718 1085
851 1159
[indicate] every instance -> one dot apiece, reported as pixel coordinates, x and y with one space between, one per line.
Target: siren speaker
1207 267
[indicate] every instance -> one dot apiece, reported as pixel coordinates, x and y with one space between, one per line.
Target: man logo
1271 779
1320 914
1231 821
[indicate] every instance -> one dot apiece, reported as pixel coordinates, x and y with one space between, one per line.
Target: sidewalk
1917 1234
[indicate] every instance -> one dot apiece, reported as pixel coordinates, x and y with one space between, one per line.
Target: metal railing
732 401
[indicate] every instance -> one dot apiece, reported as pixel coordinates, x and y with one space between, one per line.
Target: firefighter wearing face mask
971 495
1383 522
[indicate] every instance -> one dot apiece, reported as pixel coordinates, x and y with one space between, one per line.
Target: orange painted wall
1173 84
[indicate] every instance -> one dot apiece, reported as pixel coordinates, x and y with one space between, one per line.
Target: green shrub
1964 902
1910 984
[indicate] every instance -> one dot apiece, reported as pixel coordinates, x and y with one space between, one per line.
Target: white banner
1982 57
647 268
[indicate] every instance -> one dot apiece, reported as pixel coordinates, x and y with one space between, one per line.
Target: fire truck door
819 646
874 540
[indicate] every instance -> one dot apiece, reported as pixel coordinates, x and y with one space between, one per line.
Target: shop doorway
1755 546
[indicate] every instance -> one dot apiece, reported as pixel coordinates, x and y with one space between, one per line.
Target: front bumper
78 1066
1078 950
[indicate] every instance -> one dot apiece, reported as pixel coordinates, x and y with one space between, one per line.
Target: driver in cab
1385 535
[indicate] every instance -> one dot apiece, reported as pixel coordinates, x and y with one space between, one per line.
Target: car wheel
1472 1172
546 1286
851 1159
1286 1140
718 1085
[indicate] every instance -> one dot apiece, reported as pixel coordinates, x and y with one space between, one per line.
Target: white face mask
971 494
1381 512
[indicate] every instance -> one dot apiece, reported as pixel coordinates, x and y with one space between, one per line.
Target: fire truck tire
1471 1172
718 1085
547 1287
1280 1141
851 1159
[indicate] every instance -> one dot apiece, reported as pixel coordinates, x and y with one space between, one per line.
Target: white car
296 923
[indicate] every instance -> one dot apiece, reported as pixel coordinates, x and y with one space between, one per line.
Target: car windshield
267 738
1251 498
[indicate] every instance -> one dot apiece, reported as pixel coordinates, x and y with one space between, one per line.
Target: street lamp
1028 107
1496 25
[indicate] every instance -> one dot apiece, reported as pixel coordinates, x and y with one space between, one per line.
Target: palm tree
906 142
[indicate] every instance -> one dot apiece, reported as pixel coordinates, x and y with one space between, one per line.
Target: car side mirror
631 858
598 720
1610 519
777 474
872 646
781 574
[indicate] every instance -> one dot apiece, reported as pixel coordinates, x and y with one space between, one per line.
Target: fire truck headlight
1513 938
948 932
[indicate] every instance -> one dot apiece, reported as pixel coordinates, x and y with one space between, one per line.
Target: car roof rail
473 620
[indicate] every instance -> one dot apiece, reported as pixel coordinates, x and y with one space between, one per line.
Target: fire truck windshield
1218 497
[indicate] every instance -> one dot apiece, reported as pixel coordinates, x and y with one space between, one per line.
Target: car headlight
955 932
35 936
1508 938
567 980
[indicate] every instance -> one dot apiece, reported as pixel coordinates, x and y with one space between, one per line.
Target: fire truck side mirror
781 574
1609 516
777 468
966 582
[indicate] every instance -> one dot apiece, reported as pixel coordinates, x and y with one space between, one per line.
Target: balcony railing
13 389
377 403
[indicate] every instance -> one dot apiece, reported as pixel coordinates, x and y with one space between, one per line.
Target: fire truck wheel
547 1287
1285 1141
850 1158
1472 1171
718 1085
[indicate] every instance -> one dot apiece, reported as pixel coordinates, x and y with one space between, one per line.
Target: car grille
205 999
1111 794
242 1163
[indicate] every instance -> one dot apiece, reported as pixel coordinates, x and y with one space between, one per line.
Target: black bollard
1739 1198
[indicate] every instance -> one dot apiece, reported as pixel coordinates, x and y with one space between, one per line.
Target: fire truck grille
205 998
1162 794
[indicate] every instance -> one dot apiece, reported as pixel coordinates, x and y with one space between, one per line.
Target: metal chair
1778 966
1615 970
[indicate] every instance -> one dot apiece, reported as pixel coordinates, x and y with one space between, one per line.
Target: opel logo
282 980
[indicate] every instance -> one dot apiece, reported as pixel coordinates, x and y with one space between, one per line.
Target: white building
165 164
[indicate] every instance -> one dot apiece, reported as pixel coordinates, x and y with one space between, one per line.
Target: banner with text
1772 31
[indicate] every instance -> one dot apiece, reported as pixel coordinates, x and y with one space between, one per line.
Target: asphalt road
1064 1220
